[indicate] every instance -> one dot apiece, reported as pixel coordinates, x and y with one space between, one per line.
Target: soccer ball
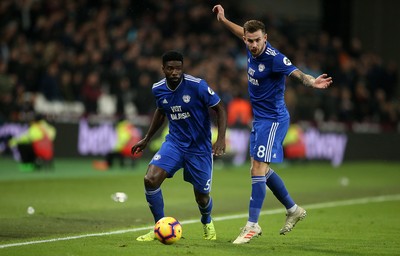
168 230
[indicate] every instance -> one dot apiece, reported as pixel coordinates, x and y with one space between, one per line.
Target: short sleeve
209 97
282 64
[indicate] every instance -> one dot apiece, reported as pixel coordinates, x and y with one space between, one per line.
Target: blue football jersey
266 84
187 109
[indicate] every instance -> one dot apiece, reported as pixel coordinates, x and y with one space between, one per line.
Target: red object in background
295 151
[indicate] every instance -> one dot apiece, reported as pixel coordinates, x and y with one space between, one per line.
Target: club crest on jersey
261 68
186 98
157 157
287 62
210 91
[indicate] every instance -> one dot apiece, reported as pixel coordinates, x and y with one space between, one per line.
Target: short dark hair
252 26
172 55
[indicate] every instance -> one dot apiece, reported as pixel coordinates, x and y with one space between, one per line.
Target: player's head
172 66
254 36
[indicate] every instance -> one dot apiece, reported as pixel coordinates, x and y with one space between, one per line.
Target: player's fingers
216 7
136 150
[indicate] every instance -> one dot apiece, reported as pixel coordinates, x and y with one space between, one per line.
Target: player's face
255 42
173 71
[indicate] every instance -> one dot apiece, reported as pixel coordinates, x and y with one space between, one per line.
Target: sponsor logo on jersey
252 80
180 116
251 71
177 112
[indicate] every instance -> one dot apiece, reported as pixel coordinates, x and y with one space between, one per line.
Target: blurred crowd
82 50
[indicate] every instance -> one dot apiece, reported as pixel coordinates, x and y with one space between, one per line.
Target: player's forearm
233 27
221 128
156 123
221 121
306 79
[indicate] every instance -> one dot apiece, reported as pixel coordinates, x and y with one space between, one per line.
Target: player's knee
259 168
202 199
151 181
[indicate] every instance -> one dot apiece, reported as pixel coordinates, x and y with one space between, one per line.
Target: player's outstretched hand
219 10
139 147
323 81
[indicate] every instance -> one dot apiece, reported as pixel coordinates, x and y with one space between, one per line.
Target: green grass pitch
352 210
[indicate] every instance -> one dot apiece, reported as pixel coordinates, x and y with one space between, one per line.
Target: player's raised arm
321 82
234 28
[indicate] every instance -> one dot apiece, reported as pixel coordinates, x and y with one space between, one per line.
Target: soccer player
185 100
267 71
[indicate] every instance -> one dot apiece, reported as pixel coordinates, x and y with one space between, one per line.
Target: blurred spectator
363 103
239 112
384 111
346 106
125 96
144 99
68 90
35 146
91 92
49 85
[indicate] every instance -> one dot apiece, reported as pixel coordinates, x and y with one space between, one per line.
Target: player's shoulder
159 84
192 79
271 51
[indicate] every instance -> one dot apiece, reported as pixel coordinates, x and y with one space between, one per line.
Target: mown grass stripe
365 200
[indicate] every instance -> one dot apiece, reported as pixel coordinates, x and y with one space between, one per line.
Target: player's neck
173 85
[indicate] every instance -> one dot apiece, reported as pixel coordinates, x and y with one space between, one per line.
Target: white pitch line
365 200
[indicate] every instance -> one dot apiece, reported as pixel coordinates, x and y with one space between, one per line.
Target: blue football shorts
266 140
197 169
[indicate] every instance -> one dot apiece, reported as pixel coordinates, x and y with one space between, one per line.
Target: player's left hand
218 148
323 81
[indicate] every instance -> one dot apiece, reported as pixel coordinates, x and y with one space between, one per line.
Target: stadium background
94 61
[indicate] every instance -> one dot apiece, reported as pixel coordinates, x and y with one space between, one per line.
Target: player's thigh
266 141
198 172
168 158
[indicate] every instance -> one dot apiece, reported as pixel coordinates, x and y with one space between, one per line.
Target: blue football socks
258 192
276 185
155 200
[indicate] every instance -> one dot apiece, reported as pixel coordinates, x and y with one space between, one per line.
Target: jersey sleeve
209 97
282 64
155 95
